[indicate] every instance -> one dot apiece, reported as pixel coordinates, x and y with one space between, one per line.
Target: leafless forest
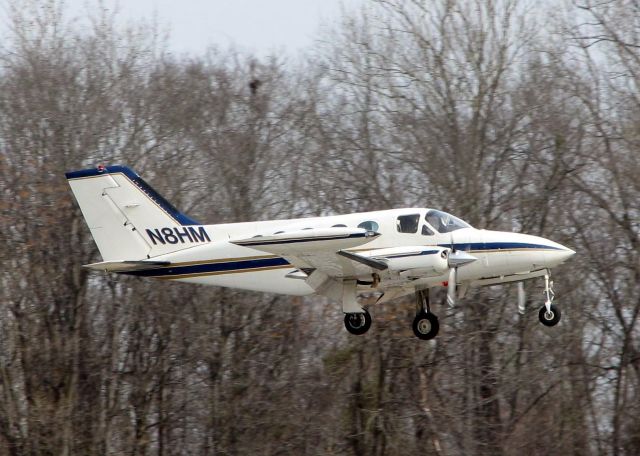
513 115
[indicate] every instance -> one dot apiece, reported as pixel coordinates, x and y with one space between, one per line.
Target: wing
325 250
319 249
308 240
326 265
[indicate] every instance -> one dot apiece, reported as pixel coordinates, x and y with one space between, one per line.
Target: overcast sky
260 26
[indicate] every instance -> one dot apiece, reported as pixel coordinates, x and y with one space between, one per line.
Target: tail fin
128 219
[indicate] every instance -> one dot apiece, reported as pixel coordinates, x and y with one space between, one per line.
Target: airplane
397 252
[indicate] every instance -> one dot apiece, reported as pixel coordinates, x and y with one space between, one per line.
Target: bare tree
475 107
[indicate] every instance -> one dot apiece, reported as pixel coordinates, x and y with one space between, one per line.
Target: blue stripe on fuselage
479 246
227 266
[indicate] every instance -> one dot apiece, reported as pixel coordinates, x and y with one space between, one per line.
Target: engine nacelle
423 261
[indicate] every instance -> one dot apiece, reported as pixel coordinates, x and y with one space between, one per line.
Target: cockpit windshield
443 222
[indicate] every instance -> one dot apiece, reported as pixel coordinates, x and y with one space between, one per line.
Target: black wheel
550 318
425 326
357 323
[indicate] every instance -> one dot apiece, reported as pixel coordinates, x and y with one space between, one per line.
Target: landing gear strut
549 314
357 323
425 324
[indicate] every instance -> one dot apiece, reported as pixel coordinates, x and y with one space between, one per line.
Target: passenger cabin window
369 225
426 231
339 225
445 223
408 223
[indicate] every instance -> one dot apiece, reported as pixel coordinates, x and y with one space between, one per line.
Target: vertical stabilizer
128 219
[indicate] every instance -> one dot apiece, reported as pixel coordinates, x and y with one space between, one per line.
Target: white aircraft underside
394 252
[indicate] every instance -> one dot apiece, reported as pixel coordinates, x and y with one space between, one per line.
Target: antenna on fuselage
522 297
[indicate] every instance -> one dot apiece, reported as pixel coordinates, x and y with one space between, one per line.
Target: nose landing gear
549 314
549 317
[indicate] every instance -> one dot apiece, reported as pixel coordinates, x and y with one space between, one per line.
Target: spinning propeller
456 259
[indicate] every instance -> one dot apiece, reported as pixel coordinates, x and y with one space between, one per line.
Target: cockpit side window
408 223
426 231
443 222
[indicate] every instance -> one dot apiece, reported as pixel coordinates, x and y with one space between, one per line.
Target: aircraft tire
425 325
357 323
552 319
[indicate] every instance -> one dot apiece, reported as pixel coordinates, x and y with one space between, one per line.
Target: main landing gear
357 320
425 324
357 323
549 314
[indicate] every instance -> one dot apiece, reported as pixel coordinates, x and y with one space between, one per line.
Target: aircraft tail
128 219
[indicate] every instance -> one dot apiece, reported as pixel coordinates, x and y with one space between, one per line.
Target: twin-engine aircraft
394 252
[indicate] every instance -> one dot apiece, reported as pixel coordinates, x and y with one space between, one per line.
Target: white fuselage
501 256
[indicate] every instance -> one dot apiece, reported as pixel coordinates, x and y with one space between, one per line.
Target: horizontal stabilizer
126 266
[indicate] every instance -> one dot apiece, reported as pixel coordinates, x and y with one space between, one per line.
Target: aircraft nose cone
560 254
568 253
